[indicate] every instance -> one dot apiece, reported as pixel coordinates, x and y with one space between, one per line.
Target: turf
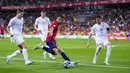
75 49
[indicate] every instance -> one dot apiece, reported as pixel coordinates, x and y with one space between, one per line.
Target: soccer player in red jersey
51 45
2 31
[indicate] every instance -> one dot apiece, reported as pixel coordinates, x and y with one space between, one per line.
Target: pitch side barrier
70 37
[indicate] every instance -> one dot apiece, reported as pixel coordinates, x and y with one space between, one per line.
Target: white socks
14 54
44 54
96 54
50 55
25 55
108 53
11 40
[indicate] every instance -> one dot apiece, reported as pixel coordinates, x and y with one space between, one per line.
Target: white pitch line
118 67
121 45
77 47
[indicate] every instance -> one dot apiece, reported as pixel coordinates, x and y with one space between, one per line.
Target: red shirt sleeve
53 24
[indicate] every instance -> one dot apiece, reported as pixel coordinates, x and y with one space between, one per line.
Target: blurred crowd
78 22
82 21
35 2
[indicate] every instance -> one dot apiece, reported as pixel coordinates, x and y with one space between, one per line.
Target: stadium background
79 15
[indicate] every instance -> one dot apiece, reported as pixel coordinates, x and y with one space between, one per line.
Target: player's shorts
2 33
42 36
18 39
102 41
52 44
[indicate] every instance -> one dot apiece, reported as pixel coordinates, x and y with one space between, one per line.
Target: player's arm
8 27
89 37
36 25
8 30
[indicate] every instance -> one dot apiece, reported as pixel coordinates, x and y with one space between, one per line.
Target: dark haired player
51 40
14 28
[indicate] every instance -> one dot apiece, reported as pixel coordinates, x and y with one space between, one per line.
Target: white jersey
43 23
16 26
100 30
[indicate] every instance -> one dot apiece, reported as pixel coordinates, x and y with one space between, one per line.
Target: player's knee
24 47
54 52
99 46
108 45
20 50
60 50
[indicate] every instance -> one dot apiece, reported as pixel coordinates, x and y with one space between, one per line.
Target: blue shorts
2 33
51 44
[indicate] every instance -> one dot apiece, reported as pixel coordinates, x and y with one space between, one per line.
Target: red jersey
54 25
1 29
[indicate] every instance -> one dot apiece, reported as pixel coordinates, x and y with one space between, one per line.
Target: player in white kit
14 28
100 30
41 25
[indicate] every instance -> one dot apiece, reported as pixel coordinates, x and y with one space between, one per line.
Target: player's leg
108 52
64 56
52 57
46 48
25 54
42 37
53 46
21 44
99 46
2 35
44 54
17 52
54 49
49 47
11 39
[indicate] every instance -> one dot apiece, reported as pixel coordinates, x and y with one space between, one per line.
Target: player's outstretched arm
88 43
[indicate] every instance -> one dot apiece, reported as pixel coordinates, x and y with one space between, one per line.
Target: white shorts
18 39
43 36
102 41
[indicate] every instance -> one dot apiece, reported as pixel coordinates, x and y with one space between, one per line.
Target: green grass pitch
75 49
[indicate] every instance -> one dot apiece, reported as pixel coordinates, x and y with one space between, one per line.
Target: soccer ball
67 64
